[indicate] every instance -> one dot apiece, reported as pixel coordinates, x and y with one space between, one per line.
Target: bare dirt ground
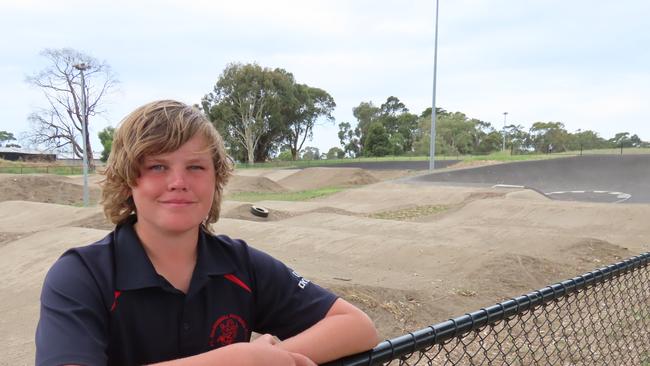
410 255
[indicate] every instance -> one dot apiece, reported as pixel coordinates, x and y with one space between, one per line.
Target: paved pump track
594 178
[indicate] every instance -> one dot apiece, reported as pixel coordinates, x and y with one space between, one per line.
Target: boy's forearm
240 354
217 357
339 334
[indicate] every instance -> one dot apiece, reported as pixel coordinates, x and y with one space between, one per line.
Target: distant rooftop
24 151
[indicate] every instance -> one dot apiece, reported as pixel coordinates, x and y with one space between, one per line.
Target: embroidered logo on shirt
228 329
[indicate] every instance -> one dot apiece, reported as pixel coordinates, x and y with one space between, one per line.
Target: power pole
84 128
505 114
432 147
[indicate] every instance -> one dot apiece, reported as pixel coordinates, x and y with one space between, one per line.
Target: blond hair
157 128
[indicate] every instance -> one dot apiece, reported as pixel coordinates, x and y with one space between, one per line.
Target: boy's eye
157 167
196 167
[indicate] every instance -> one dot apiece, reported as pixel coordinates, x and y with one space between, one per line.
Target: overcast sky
583 63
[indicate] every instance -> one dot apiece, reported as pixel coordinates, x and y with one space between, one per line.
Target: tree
400 125
60 123
516 138
350 139
456 134
422 133
6 136
244 105
309 105
548 137
587 140
310 153
623 139
636 141
366 113
335 153
106 138
377 141
285 155
260 111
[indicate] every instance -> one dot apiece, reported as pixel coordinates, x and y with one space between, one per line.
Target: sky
583 63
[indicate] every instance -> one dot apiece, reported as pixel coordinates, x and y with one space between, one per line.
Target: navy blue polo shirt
104 304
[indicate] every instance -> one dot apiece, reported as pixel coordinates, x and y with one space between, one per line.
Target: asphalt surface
593 178
389 165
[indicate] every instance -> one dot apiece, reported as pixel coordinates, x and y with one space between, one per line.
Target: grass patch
495 156
645 359
283 196
42 169
612 151
410 213
309 163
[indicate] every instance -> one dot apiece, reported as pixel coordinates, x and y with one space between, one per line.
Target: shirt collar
135 270
211 260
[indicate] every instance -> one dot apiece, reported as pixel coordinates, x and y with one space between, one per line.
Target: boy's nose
177 181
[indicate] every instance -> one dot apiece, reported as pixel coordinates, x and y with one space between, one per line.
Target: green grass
505 156
308 163
42 169
616 151
645 359
496 156
283 196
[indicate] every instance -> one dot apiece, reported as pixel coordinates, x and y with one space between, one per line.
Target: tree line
390 129
263 113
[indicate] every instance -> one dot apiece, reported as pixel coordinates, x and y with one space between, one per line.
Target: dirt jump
408 254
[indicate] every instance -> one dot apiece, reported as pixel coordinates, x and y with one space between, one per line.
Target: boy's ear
127 191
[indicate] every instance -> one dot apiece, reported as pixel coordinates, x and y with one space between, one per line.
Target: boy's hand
267 339
263 350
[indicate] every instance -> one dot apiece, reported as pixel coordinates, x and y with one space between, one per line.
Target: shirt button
186 326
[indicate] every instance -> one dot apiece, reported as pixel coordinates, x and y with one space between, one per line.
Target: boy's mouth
177 202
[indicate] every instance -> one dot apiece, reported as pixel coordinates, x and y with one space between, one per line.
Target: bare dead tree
60 123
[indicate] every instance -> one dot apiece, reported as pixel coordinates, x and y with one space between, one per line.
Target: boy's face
175 190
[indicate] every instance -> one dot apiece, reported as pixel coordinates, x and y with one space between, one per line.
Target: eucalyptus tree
306 107
260 111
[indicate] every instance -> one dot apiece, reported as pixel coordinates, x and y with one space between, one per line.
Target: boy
161 288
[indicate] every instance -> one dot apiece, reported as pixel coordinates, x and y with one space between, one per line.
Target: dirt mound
240 183
314 178
96 221
243 212
474 163
9 237
44 188
27 217
527 194
273 174
510 274
595 252
401 310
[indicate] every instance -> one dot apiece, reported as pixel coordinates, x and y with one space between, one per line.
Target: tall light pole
84 127
505 114
432 147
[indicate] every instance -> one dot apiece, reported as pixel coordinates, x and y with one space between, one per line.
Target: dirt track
439 251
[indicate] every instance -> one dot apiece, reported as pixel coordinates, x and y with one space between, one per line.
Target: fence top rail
408 344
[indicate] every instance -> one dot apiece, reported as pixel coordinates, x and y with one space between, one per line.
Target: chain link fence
599 318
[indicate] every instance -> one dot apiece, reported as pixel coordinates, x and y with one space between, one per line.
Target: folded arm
345 330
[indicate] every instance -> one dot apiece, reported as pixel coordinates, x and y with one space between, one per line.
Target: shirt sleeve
287 303
73 324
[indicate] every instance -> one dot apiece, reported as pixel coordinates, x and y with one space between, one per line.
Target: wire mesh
599 318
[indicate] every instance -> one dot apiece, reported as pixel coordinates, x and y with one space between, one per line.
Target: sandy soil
458 249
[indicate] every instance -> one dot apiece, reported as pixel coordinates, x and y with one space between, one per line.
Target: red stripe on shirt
232 278
116 295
